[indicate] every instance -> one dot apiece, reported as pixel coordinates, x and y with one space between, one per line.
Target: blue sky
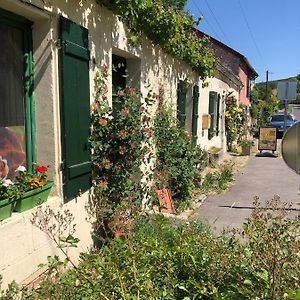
267 32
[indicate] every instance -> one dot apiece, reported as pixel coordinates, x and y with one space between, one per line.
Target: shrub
120 143
165 259
179 161
218 180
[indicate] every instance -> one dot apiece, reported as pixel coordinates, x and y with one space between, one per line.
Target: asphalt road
263 177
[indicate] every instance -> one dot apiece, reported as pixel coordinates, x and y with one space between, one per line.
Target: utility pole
267 81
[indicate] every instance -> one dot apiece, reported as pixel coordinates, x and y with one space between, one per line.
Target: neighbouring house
50 53
239 66
234 76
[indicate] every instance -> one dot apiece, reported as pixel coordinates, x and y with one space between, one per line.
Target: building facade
50 53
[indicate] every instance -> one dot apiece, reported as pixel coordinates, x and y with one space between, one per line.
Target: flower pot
246 150
6 208
34 197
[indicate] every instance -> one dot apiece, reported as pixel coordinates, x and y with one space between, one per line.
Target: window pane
12 112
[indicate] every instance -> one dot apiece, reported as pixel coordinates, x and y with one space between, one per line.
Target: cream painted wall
216 85
23 246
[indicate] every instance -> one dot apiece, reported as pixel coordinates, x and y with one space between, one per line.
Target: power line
202 14
251 34
217 22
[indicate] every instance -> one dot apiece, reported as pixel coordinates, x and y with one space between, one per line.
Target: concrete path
263 177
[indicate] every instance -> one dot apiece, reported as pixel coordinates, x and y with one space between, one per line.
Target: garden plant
166 259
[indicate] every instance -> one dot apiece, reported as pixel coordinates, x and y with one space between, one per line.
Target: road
263 177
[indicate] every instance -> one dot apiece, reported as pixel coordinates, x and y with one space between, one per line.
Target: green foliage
179 161
262 110
246 143
120 143
23 182
166 24
235 122
164 259
218 180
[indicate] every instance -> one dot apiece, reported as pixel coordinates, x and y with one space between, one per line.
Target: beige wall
222 89
23 246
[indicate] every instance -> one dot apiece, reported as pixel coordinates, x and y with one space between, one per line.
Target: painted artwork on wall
12 150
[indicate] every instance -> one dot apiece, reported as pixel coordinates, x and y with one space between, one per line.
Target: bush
167 260
179 161
218 180
120 145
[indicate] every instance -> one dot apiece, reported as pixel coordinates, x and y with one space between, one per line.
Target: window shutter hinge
62 166
59 43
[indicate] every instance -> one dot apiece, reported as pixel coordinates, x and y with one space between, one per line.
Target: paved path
263 177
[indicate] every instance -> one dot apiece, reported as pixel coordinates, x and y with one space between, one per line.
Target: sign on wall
267 138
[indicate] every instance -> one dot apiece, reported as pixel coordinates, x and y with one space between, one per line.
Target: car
277 121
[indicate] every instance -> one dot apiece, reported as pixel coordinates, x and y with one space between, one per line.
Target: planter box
6 208
246 150
34 197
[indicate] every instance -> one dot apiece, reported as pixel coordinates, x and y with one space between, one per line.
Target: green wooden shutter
181 103
218 115
211 111
75 108
195 115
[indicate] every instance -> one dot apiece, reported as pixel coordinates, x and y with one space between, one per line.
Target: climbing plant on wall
166 24
120 143
235 121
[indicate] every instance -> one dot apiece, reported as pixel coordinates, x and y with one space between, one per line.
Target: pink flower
103 121
120 93
105 68
131 90
122 133
122 149
125 111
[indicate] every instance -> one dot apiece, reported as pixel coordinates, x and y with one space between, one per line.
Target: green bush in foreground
165 260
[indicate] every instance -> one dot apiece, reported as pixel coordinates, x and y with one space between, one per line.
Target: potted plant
35 187
8 194
246 145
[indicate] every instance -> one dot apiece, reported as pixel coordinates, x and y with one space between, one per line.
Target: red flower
41 169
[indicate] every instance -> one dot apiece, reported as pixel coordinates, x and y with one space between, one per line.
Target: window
16 88
118 78
181 103
214 112
248 87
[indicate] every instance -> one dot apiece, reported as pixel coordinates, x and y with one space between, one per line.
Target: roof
253 74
